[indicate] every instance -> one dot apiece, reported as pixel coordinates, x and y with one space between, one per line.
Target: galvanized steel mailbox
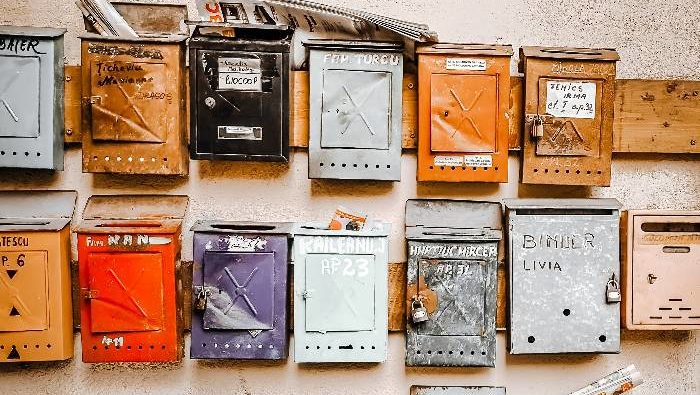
134 92
240 94
35 283
463 101
569 111
452 264
31 97
662 279
240 290
128 255
564 269
422 390
340 294
355 115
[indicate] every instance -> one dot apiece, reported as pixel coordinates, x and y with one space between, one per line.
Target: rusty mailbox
564 269
240 290
340 294
463 101
240 94
569 106
128 255
451 295
31 97
421 390
662 273
355 115
36 314
134 91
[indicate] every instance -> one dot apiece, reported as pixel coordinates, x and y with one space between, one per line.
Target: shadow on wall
136 184
242 170
29 179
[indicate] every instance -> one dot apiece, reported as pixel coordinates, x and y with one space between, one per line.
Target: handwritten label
454 251
135 51
568 99
355 266
341 245
117 341
239 244
449 161
478 160
14 241
19 44
383 59
465 64
240 74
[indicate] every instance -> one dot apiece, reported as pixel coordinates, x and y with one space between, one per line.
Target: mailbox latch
612 291
86 293
537 123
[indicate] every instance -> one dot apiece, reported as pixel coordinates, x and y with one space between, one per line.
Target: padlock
200 303
612 292
418 311
537 130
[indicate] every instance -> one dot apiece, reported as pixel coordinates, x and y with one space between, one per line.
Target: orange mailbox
36 314
463 100
128 252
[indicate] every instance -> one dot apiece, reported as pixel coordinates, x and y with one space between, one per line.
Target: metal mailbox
355 116
569 111
422 390
463 101
662 279
128 255
452 265
134 92
35 283
31 97
240 290
340 294
564 269
239 90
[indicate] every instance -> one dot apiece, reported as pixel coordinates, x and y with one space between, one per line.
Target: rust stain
647 97
666 124
430 297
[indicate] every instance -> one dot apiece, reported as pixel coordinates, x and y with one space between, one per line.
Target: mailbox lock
210 102
612 292
201 303
652 278
418 311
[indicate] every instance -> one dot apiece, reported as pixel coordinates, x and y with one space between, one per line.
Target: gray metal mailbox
340 294
564 265
452 265
355 112
31 97
421 390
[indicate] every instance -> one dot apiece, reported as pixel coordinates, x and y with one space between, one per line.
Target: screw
693 142
69 131
410 85
68 78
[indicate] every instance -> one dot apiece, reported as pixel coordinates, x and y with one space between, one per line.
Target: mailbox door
242 291
463 113
19 96
23 291
126 292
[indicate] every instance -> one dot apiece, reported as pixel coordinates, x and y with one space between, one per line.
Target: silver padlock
612 291
200 303
418 311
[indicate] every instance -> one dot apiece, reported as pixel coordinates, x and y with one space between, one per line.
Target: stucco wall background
655 38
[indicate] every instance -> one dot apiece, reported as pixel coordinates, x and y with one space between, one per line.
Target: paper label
465 64
448 161
240 74
567 99
240 133
478 160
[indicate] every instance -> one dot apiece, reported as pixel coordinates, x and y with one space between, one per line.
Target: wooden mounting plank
72 95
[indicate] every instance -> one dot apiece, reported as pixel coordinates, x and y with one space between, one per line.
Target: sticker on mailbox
239 74
448 161
570 99
465 64
478 161
240 133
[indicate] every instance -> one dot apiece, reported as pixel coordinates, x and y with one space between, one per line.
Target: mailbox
355 116
35 283
340 294
421 390
240 290
31 97
134 91
463 101
452 265
564 268
128 255
569 105
662 279
239 94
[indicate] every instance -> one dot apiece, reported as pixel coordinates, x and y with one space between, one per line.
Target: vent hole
531 339
348 347
320 164
567 312
602 338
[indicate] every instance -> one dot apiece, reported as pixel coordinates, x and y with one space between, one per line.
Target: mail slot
35 283
421 390
564 268
355 116
662 279
240 94
452 264
240 290
128 255
31 97
340 294
569 106
463 101
134 118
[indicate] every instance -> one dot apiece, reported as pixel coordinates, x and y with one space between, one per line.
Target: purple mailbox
239 285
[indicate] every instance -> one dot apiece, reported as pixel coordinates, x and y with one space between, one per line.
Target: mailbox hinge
88 293
92 100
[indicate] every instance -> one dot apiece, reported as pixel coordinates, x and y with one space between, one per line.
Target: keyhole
447 113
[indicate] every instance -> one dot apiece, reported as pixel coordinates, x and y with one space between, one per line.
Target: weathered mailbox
35 283
31 97
452 264
463 101
340 294
662 272
564 268
240 290
421 390
134 118
355 116
569 110
128 255
240 94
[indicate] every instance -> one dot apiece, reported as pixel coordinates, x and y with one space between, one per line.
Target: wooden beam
72 95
